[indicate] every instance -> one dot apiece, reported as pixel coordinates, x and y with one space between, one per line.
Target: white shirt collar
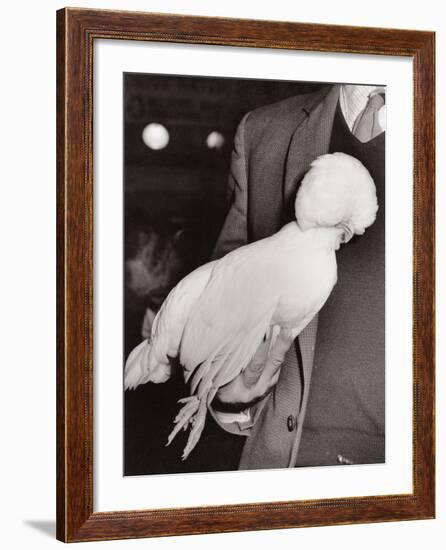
354 98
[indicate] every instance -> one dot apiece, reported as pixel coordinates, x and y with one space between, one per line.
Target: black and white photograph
222 275
254 274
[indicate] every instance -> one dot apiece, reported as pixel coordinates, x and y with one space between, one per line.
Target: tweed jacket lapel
310 139
272 157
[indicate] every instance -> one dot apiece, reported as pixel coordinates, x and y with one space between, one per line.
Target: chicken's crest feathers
337 189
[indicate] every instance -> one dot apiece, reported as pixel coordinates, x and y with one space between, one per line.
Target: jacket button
291 423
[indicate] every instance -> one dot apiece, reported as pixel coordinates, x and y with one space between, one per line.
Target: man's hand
259 377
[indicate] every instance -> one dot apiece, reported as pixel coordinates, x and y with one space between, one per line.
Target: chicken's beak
347 232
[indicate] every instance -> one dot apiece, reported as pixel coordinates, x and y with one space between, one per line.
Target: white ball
215 140
155 136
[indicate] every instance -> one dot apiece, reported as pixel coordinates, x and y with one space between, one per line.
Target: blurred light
215 140
155 136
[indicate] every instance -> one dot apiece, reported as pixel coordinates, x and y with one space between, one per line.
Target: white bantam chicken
214 320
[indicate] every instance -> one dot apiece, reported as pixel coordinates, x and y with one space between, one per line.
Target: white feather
133 371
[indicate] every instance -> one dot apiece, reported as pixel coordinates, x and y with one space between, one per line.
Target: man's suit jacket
273 149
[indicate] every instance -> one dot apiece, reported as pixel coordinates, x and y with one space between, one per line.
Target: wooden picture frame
77 29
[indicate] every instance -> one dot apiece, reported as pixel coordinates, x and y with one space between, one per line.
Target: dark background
175 204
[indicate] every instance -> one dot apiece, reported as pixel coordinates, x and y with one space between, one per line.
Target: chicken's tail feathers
185 416
193 412
272 333
202 371
240 353
138 369
135 372
198 422
159 371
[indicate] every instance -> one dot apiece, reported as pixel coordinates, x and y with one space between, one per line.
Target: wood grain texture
76 31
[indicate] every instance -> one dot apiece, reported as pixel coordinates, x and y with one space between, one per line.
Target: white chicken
214 320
